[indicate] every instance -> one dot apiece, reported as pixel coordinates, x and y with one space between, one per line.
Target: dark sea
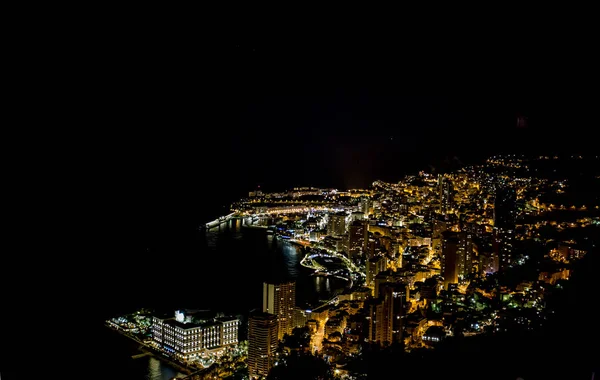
221 269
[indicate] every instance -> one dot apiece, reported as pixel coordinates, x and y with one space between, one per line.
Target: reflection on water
250 256
291 258
322 284
158 370
232 229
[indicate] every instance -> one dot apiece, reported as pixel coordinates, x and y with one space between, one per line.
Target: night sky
341 115
282 134
169 139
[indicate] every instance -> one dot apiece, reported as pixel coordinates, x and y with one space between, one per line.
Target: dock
141 355
220 220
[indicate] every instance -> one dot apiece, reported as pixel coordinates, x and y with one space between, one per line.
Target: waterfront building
187 340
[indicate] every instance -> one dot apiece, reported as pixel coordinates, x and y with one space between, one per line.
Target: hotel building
187 340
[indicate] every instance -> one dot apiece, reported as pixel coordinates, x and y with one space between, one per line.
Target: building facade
280 299
337 224
459 257
262 343
505 213
358 236
187 341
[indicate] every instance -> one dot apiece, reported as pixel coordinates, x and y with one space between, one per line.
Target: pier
141 355
220 220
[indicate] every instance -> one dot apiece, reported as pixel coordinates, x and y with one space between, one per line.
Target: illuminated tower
280 299
365 205
458 257
446 194
466 255
262 343
393 296
357 239
337 224
450 258
375 265
505 211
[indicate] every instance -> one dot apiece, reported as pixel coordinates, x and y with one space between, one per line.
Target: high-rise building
385 324
467 262
375 265
505 208
337 224
357 215
449 258
503 243
458 257
505 212
489 262
357 239
280 299
394 297
365 205
446 191
262 343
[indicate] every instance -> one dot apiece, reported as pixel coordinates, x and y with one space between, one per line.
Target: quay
220 220
141 355
150 351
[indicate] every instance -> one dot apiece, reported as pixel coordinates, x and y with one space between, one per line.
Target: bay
221 269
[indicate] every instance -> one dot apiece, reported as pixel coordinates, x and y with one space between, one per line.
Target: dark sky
347 133
171 127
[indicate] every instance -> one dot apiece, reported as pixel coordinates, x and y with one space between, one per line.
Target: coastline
145 349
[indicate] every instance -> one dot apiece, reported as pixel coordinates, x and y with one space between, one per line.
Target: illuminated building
262 343
337 224
467 255
446 191
458 257
375 265
358 215
433 335
357 239
489 262
393 297
505 209
335 243
301 317
365 205
449 258
385 323
187 340
280 299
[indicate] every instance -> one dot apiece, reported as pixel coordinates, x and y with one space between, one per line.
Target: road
316 339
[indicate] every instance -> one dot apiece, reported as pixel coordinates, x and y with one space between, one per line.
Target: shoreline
149 350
